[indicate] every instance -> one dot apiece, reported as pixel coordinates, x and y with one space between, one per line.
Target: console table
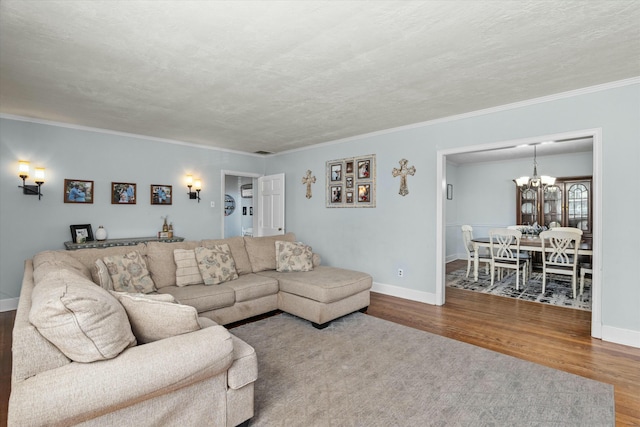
70 246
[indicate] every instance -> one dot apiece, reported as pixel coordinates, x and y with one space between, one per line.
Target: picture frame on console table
123 193
351 182
81 233
78 191
161 194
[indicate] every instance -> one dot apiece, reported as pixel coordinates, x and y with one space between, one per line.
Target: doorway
239 211
595 134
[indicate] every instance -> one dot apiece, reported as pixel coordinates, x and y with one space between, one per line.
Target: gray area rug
364 371
558 290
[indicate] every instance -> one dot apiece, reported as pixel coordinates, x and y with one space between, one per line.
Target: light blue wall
401 231
28 226
485 193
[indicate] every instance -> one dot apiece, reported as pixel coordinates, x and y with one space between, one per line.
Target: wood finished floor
552 336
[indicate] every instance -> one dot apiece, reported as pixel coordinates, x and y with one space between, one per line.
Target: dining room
482 194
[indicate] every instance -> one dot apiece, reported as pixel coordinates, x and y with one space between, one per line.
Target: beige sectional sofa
172 364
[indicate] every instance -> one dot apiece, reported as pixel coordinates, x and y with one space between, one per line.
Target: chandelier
526 183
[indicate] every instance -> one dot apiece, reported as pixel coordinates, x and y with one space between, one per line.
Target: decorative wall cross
403 172
309 180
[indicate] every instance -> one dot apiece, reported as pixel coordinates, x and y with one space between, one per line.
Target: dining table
529 243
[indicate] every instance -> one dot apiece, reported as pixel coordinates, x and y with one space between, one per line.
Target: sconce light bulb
189 181
198 184
39 179
23 169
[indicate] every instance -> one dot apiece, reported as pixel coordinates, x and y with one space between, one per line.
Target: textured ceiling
279 75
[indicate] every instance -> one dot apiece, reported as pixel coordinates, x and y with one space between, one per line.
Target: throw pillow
129 273
262 250
293 256
216 264
83 320
156 317
187 271
100 275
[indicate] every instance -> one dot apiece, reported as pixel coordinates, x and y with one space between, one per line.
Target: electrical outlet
400 272
213 204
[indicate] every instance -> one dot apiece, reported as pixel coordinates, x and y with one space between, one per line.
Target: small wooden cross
403 172
309 180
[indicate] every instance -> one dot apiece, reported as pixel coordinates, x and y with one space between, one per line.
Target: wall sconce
194 195
23 172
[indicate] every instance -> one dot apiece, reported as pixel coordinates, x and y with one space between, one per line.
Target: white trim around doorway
596 134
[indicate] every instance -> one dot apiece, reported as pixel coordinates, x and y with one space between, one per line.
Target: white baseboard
410 294
9 304
621 336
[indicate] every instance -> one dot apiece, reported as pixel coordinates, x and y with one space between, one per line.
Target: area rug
558 290
365 371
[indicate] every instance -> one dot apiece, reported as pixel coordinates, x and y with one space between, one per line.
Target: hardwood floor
552 336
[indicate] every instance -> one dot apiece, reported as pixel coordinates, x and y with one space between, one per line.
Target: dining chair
584 270
560 254
467 237
524 229
504 244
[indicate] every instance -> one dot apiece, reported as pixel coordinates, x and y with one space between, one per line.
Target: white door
270 205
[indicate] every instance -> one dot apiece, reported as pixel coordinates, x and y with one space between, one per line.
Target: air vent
263 152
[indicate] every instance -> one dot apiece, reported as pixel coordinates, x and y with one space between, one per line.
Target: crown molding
477 113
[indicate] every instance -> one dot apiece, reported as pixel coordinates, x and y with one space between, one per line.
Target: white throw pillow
156 317
187 271
100 275
83 320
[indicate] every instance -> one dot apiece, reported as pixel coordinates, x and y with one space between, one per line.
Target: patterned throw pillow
129 273
187 271
216 264
293 256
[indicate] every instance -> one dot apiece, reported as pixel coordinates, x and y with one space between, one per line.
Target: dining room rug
558 290
365 371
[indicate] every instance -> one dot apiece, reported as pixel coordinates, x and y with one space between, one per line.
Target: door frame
441 182
223 179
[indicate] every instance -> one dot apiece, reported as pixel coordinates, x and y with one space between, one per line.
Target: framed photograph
449 191
244 210
349 167
123 193
250 210
364 193
349 196
364 169
81 233
351 182
161 194
78 191
336 172
336 194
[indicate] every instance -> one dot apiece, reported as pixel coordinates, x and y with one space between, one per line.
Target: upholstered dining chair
504 244
560 254
467 237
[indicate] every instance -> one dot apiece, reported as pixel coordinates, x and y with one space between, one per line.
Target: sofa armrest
80 391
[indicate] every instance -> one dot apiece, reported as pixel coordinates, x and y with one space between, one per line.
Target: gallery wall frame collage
81 191
351 182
